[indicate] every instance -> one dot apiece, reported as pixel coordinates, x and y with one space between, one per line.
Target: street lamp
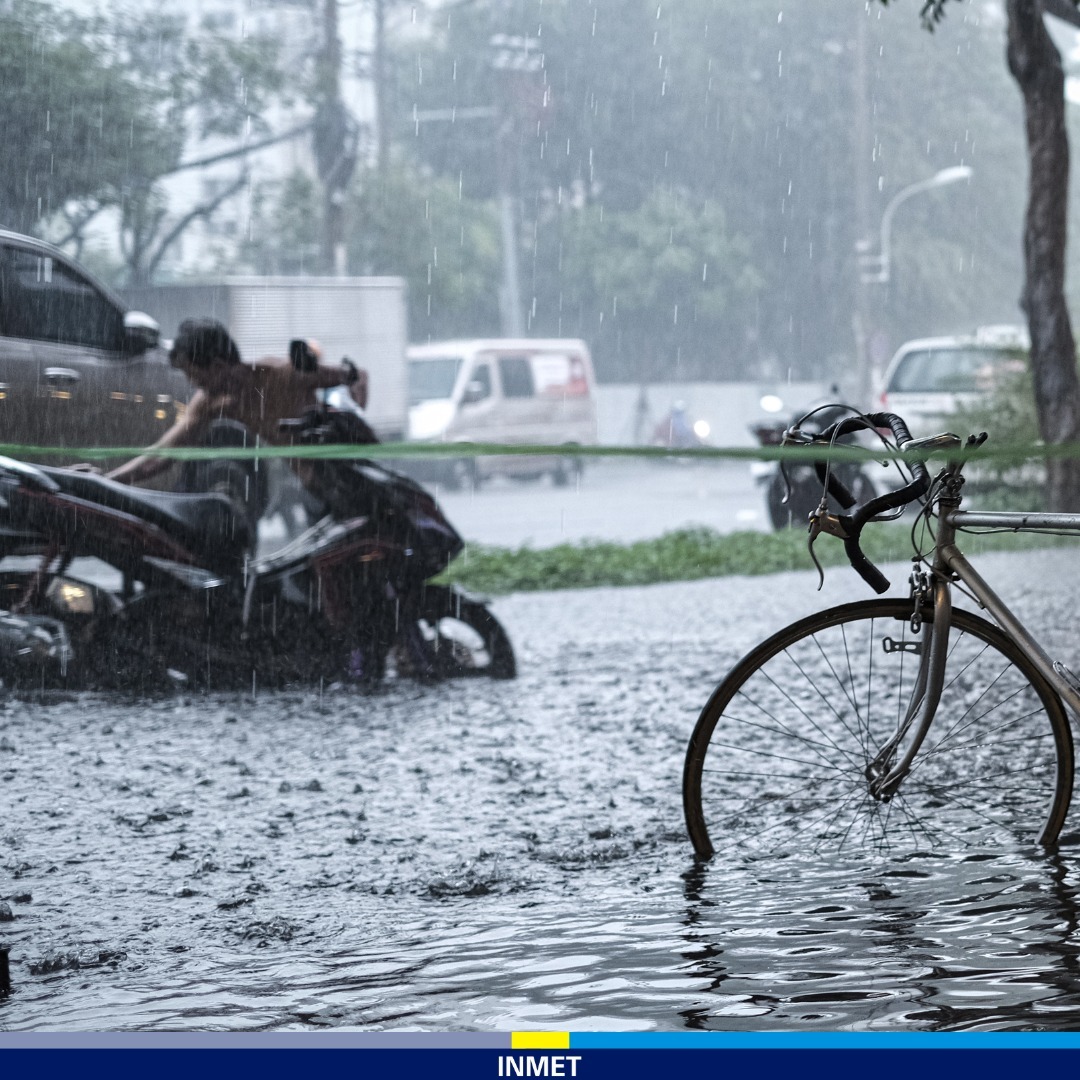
875 268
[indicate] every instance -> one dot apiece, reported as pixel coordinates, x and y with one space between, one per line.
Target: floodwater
495 855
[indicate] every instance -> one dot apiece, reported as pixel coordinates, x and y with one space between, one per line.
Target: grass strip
693 553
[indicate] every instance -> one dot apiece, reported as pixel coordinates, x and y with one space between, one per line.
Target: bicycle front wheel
778 760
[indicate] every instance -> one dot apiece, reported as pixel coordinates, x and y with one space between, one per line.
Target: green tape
1001 453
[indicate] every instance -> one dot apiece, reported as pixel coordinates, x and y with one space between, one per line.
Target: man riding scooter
235 402
258 396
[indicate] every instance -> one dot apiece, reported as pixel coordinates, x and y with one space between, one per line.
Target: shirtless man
258 395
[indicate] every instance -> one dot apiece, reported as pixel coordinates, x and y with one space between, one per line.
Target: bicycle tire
777 765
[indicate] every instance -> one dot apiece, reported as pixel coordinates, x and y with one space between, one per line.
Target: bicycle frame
950 565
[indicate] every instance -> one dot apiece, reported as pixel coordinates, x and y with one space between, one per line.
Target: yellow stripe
540 1040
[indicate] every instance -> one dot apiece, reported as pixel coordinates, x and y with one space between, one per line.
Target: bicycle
894 723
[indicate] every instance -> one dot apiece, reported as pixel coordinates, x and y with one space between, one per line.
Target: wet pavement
615 500
494 855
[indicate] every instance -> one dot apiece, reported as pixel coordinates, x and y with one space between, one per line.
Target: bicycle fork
885 773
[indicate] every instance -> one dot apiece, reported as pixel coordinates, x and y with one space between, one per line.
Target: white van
930 378
511 391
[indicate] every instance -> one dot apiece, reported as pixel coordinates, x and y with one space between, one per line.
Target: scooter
793 489
677 432
184 604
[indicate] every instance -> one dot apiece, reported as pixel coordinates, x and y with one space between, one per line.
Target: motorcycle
188 606
793 489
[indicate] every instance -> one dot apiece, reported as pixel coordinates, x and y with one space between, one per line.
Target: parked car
76 368
928 379
510 391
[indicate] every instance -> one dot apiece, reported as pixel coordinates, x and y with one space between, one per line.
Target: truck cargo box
363 318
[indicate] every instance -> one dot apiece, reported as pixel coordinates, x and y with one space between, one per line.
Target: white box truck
363 318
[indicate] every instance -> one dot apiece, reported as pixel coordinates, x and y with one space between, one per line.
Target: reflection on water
930 943
489 856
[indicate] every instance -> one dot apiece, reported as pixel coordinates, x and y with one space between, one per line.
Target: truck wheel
567 471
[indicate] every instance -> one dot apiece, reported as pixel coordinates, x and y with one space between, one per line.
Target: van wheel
462 475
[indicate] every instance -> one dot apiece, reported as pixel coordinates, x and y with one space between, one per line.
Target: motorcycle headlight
70 597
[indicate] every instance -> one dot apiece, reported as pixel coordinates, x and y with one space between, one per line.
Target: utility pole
860 321
517 60
378 74
336 140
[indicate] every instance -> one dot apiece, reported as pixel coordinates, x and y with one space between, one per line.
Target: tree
401 222
335 135
101 109
285 237
1035 64
196 83
654 289
76 125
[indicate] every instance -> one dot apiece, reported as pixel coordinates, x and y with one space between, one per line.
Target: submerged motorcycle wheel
457 637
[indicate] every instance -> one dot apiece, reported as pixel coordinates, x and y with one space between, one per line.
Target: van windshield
433 379
953 371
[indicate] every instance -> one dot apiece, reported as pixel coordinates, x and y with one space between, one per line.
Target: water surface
492 856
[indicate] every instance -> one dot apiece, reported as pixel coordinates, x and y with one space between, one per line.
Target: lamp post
875 267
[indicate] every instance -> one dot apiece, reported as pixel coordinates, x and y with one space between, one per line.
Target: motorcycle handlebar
853 523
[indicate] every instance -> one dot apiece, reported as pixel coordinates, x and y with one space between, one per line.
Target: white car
930 378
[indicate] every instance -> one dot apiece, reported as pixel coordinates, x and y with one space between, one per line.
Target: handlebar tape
837 488
863 566
853 523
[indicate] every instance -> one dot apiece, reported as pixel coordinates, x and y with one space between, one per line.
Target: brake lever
821 521
793 436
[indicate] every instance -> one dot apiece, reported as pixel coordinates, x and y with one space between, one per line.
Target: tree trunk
1036 65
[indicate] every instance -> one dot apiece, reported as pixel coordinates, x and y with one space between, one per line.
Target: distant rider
675 431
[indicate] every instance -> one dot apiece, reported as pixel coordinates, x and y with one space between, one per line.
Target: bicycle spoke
804 713
941 747
778 757
782 730
843 688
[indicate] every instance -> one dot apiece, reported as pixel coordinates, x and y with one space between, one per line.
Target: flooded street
582 258
494 855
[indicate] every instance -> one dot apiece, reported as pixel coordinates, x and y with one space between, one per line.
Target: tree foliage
76 126
746 109
99 109
648 285
405 223
400 224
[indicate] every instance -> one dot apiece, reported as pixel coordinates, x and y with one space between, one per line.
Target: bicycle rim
777 761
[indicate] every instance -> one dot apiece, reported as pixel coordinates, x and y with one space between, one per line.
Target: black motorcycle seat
208 524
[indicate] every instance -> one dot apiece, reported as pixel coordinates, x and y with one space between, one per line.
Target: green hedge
687 555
